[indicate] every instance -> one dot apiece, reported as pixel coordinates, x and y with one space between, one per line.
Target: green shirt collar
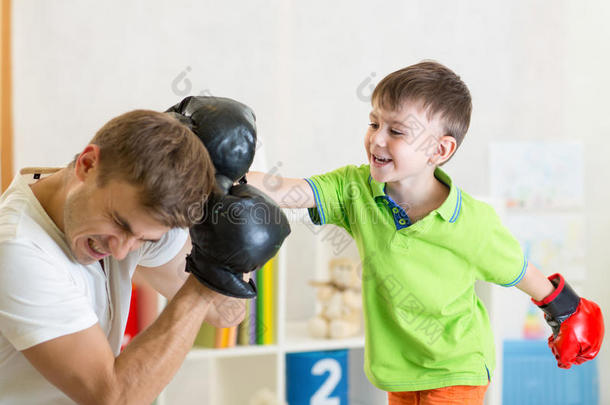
449 209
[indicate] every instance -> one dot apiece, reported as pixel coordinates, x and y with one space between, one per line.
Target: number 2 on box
321 396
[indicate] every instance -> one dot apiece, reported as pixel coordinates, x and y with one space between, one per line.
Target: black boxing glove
242 228
240 231
226 127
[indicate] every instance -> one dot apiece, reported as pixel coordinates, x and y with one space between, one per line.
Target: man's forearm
150 361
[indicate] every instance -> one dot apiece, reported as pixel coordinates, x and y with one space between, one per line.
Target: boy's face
401 144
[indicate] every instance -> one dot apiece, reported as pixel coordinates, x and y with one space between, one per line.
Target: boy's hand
577 323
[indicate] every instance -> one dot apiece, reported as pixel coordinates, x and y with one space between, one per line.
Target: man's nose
121 246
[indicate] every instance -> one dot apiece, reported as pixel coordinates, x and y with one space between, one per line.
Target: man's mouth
96 249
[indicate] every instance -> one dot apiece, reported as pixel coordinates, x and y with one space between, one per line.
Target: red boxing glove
577 323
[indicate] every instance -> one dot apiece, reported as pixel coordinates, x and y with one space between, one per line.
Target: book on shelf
243 330
265 305
131 328
206 336
219 338
258 325
231 339
252 322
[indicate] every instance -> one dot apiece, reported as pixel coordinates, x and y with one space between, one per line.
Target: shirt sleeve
328 190
500 259
39 299
156 254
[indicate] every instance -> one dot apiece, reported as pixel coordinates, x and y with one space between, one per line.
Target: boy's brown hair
436 87
163 158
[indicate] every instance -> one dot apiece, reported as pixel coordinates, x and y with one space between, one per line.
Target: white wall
537 71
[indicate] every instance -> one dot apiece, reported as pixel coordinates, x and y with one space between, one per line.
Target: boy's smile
379 161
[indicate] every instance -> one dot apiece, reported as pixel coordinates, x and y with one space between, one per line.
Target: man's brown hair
163 158
436 87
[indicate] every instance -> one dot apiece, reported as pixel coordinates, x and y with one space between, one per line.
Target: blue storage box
317 378
531 376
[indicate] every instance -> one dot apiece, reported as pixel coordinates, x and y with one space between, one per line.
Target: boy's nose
378 138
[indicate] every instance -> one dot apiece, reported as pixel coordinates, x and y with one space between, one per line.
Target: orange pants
453 395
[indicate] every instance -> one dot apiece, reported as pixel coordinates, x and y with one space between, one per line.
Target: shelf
255 350
298 340
209 375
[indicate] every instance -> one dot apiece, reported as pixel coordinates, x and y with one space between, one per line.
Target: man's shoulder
25 232
153 254
14 217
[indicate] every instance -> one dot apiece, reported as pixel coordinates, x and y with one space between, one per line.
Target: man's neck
51 193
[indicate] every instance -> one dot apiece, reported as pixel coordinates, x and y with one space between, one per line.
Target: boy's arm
577 323
286 192
535 284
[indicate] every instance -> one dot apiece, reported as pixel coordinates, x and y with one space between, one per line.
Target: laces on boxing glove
560 304
221 280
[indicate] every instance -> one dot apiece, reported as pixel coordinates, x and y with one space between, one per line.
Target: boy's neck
418 196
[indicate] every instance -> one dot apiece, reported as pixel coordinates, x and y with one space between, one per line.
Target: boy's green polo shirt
424 325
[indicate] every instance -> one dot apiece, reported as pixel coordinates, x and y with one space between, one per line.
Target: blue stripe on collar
458 206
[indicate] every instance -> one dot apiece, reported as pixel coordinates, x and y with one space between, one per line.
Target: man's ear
87 162
445 148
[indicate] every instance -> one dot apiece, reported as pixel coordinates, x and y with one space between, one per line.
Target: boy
424 242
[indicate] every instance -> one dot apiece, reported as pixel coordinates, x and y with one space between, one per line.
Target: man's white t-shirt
45 293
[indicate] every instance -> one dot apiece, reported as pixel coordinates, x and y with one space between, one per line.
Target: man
71 242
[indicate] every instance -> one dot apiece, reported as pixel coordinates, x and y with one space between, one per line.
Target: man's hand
577 323
241 230
226 127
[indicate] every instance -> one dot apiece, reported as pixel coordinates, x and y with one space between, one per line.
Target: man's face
109 220
401 144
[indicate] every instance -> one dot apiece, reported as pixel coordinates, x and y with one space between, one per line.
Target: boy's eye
374 125
395 132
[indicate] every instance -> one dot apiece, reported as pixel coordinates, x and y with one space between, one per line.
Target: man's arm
83 365
286 192
169 278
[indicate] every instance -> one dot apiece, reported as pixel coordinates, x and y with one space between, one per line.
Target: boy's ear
445 148
87 161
